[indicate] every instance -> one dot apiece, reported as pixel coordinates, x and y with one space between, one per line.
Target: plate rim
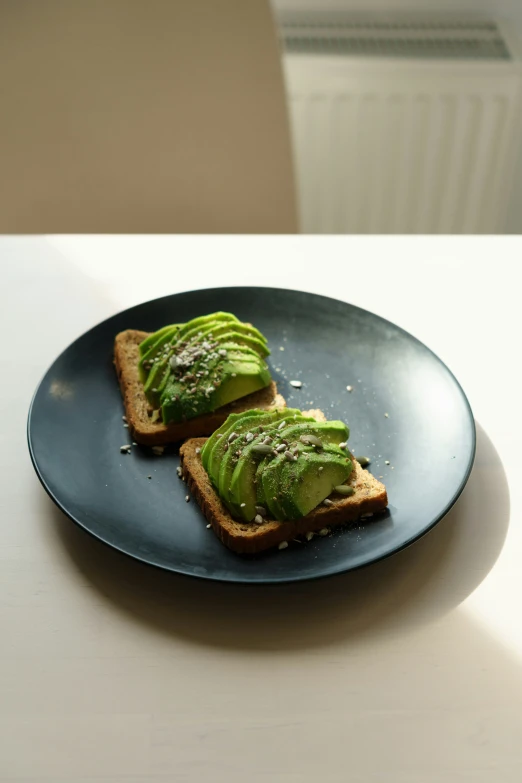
239 580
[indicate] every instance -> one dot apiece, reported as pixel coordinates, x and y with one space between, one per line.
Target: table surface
408 671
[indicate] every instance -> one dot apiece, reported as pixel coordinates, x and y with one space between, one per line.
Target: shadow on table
412 588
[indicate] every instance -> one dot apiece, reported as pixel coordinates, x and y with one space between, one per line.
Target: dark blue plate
406 408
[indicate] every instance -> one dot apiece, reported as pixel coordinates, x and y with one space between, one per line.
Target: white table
409 671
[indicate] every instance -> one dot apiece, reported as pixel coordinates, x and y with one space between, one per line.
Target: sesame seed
187 498
125 449
327 502
386 415
198 450
324 531
242 505
126 426
349 388
149 477
219 435
283 545
124 418
386 461
208 527
281 348
258 519
366 516
309 535
296 384
321 468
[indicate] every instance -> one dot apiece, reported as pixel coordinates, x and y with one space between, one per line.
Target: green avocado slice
150 358
268 475
154 339
222 331
304 484
190 329
217 445
240 461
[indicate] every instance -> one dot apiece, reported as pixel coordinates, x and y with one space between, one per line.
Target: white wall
509 10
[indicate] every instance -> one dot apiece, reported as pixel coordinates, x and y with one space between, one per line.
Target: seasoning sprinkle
261 449
344 489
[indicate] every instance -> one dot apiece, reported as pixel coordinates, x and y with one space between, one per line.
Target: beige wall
142 116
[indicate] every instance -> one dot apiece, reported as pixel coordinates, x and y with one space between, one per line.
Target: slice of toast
249 538
139 412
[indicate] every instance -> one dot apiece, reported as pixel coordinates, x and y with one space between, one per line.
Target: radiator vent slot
460 40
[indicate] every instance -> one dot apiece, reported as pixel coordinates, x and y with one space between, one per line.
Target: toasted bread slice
139 412
247 537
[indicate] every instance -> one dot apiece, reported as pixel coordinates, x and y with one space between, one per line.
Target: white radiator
402 127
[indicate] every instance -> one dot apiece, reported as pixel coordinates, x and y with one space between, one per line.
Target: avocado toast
185 379
263 479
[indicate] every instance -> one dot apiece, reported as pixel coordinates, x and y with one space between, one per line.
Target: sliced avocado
152 355
233 368
222 329
308 481
240 373
219 433
219 445
240 487
268 475
230 462
153 339
159 373
242 328
236 337
196 325
329 432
